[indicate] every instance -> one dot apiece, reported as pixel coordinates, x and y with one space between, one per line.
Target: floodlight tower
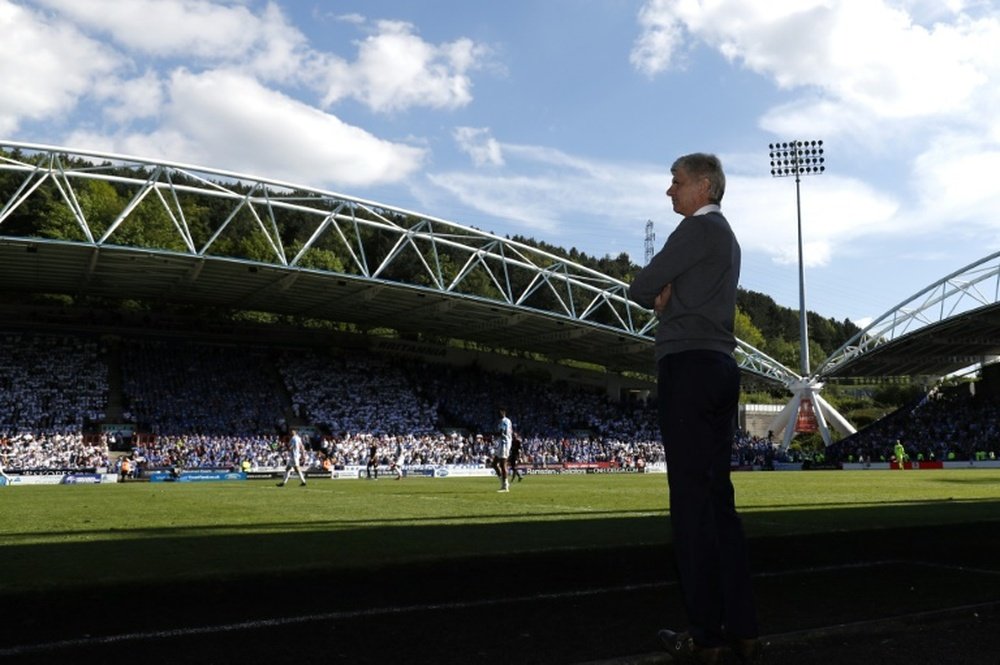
807 411
798 158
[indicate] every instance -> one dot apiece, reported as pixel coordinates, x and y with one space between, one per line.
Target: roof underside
119 227
937 349
118 272
128 273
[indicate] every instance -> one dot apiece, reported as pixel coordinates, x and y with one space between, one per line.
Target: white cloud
355 18
130 99
479 145
823 117
196 30
230 105
867 55
569 199
46 65
396 69
836 211
909 77
187 28
956 180
662 36
932 11
561 197
228 120
282 52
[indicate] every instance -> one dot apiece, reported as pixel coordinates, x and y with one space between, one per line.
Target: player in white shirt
502 450
296 454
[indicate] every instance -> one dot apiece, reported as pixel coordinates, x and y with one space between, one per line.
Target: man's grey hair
704 165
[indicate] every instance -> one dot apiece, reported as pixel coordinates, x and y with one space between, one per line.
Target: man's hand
662 298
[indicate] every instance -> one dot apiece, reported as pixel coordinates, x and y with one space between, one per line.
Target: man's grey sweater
701 259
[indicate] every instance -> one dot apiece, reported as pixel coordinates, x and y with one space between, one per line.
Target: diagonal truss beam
976 285
296 224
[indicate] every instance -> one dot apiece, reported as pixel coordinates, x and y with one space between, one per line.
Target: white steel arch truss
972 287
295 227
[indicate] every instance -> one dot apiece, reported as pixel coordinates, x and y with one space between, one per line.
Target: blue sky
558 119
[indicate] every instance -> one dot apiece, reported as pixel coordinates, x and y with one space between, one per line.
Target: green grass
62 536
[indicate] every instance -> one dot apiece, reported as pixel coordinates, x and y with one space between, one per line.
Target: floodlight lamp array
796 158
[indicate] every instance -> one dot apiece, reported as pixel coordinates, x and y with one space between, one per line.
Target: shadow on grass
184 554
568 590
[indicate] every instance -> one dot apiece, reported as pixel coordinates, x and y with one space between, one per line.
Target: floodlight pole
799 158
803 322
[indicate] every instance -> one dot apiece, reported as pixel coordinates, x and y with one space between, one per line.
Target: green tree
243 238
747 331
785 352
322 259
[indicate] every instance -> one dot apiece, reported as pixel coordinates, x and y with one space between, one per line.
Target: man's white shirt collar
704 210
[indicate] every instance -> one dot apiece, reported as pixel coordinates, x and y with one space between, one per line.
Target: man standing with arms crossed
691 285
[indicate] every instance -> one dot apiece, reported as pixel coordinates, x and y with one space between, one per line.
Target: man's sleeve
682 250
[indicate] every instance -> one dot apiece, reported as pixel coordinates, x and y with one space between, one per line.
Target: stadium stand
51 384
208 405
952 424
181 388
211 405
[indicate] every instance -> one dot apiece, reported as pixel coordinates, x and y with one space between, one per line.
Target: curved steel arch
757 362
449 255
975 286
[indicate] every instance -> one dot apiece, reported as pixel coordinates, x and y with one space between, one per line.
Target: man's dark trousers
698 406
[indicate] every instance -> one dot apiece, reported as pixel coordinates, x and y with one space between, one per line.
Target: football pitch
849 566
79 535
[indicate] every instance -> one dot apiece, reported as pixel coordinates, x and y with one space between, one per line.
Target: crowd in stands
49 450
179 388
951 424
50 384
202 405
355 392
213 451
361 397
757 451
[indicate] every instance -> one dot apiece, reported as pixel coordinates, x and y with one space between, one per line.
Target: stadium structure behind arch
458 282
537 302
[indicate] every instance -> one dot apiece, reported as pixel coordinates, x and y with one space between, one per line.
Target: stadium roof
939 349
164 232
392 269
949 326
118 272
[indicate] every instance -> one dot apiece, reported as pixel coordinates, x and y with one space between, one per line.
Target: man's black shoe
682 648
749 652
